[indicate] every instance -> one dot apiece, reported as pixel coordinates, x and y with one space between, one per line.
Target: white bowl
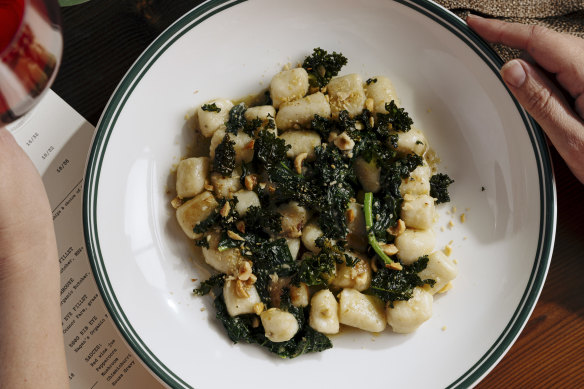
446 78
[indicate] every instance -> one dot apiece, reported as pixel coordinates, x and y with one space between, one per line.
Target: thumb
548 106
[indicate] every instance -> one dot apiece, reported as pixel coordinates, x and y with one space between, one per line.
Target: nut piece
258 308
176 202
244 270
240 290
388 249
298 162
398 229
394 266
344 142
350 215
250 181
225 209
234 235
369 104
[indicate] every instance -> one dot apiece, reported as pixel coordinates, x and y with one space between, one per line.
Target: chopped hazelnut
344 142
398 229
298 162
350 215
369 104
225 209
176 202
240 289
250 181
234 235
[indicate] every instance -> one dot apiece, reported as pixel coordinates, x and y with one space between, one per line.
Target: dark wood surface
104 37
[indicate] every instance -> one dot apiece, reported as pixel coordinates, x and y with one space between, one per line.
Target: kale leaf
322 66
238 328
333 177
259 220
320 268
250 127
291 186
224 161
210 107
393 285
396 119
215 281
269 150
323 126
269 258
236 119
439 187
386 213
392 174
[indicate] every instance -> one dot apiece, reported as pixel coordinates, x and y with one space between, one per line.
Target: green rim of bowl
205 11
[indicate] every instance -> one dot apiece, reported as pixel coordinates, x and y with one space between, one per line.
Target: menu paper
57 139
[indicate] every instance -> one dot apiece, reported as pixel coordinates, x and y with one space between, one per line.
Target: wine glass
31 45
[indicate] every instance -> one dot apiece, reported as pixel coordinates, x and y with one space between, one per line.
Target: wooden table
549 353
550 350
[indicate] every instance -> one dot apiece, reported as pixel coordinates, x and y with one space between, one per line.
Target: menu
57 139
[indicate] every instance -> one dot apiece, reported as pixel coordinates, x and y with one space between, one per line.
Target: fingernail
471 16
513 73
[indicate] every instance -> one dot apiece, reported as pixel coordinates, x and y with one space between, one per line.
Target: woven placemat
560 15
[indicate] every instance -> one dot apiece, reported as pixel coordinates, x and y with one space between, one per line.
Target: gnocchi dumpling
299 113
413 244
412 141
407 316
310 233
361 311
441 269
380 89
417 211
195 211
357 277
294 217
324 312
245 200
211 120
239 298
279 325
243 145
418 183
224 187
190 176
346 93
288 85
301 141
224 261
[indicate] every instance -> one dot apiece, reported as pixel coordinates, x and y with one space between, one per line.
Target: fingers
557 53
579 105
545 103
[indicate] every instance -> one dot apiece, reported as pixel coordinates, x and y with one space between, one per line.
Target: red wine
11 12
30 46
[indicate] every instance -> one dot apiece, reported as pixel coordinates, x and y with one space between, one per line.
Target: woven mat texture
561 15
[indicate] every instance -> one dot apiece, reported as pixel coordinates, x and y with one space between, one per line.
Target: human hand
32 351
26 224
558 108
